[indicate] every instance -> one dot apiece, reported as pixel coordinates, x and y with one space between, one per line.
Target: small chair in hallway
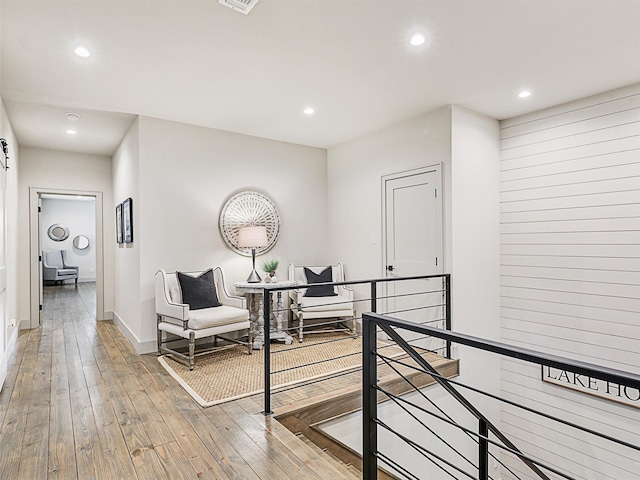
197 305
56 268
321 301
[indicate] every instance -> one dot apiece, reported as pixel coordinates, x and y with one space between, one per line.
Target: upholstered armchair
56 268
311 302
197 305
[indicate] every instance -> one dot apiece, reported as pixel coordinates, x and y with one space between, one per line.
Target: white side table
255 301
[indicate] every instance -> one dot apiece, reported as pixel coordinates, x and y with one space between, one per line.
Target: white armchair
178 318
323 301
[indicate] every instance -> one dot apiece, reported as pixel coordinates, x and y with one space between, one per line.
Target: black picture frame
119 238
127 220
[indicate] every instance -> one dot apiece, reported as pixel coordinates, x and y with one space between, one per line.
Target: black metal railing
486 436
379 295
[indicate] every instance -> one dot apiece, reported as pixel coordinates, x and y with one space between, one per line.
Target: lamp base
254 277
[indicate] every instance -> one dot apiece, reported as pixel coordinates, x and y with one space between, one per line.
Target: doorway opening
66 221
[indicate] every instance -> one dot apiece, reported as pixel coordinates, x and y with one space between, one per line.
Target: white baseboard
3 368
4 360
148 346
14 336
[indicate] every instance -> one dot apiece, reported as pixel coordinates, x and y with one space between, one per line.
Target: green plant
270 265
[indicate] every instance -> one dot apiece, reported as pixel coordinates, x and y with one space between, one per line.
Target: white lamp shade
252 237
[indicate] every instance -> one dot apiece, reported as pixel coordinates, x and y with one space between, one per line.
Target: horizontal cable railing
429 293
488 439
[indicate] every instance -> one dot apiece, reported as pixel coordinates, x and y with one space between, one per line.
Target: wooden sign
592 386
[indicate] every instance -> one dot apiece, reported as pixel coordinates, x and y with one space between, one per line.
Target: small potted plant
270 266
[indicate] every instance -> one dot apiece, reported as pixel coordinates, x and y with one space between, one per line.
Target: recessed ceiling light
309 111
71 132
417 39
524 94
72 116
82 51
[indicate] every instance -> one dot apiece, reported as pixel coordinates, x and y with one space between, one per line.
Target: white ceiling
198 62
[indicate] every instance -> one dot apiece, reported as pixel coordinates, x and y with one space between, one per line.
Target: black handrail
269 289
484 421
275 287
370 389
595 371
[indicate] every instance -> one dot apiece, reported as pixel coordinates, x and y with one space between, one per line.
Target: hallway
80 403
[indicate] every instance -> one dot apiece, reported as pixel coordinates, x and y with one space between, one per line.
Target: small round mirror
81 242
58 232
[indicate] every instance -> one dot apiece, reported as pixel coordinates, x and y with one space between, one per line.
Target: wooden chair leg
353 324
300 326
159 332
192 350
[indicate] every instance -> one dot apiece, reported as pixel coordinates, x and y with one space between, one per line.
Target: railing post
447 301
483 450
374 297
267 351
369 399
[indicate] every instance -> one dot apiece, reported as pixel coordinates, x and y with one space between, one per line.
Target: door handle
389 268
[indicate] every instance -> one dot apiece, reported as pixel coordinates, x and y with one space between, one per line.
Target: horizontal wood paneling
573 262
578 310
598 150
588 137
582 125
555 250
587 187
560 115
589 212
599 162
570 273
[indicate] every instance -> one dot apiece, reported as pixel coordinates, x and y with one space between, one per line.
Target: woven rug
231 374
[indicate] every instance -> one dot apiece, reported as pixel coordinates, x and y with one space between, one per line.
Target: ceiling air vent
242 6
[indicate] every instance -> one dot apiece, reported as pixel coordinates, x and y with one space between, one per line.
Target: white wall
57 170
355 171
467 146
126 312
80 217
570 270
179 177
9 301
475 252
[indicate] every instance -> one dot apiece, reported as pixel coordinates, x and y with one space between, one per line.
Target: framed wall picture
127 221
119 223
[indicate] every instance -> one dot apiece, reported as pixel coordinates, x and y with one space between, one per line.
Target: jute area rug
231 374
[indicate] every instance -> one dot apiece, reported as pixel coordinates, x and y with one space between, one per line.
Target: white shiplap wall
570 273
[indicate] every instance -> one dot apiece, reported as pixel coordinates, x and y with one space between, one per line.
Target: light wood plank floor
79 403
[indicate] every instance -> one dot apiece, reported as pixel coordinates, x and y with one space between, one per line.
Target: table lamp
253 236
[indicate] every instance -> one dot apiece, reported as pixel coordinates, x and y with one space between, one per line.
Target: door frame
35 254
4 321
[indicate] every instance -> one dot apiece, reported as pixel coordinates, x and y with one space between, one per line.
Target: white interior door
414 246
3 274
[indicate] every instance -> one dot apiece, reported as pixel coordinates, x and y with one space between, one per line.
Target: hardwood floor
79 403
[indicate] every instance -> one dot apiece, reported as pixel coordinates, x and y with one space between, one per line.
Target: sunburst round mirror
249 209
